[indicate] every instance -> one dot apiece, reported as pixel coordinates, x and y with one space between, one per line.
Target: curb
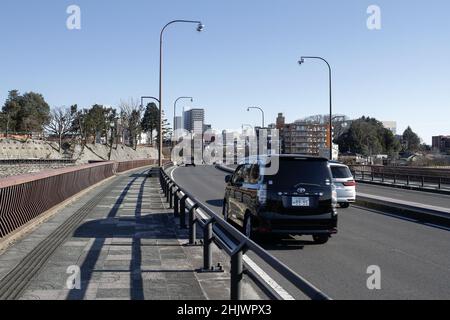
405 187
425 214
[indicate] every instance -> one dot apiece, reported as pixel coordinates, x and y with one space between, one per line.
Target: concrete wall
34 149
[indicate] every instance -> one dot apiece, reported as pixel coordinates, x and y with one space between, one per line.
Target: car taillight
262 194
350 184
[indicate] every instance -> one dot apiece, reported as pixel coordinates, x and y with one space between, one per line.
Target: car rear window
295 171
341 172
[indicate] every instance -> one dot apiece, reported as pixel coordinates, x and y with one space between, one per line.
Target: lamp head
302 61
200 27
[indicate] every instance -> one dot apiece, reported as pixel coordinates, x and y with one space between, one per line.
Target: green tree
368 136
150 120
25 113
411 141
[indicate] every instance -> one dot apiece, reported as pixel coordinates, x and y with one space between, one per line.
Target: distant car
299 199
345 184
189 161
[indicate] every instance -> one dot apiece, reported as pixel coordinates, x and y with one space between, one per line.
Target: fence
421 178
24 198
232 241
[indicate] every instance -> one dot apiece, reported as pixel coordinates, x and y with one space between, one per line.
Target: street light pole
148 97
175 109
199 29
262 112
331 100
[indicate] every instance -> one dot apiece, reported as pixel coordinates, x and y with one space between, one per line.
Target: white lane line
267 279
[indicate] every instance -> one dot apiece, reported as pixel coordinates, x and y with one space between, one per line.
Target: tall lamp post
175 109
262 112
200 28
302 60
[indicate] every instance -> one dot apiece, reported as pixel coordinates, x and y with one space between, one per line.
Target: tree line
29 113
368 136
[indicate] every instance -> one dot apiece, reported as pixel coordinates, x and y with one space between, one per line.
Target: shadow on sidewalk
135 228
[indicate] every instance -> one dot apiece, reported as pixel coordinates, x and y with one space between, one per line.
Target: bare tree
60 124
131 114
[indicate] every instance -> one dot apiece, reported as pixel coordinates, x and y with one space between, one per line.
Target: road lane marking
267 279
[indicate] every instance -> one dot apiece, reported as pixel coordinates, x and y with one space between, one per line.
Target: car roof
337 164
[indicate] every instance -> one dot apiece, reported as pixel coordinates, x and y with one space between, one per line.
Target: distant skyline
246 56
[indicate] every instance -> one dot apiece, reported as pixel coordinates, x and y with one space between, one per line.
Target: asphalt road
414 259
434 199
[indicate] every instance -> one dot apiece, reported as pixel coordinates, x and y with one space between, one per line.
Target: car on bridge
297 199
345 184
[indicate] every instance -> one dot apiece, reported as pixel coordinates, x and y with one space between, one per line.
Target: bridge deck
125 242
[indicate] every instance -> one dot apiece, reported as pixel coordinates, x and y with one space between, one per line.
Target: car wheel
248 226
321 238
344 205
226 211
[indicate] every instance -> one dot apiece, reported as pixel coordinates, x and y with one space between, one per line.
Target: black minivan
283 194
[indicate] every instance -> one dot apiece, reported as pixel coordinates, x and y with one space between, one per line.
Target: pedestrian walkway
126 243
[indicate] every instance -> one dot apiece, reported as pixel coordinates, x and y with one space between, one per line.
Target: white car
345 184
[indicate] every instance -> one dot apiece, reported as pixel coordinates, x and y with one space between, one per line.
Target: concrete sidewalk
128 246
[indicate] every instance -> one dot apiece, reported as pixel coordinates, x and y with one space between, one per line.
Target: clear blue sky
246 56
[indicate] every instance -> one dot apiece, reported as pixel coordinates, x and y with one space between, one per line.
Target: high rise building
178 123
194 120
441 144
301 137
281 121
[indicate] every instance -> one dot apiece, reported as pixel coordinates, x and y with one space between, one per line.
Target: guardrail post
395 179
407 180
423 181
168 192
207 245
382 177
362 173
440 183
183 212
171 196
176 204
236 275
192 225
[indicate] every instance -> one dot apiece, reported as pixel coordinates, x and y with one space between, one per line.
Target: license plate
300 202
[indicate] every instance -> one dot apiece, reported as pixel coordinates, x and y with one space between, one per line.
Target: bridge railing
24 198
410 180
232 241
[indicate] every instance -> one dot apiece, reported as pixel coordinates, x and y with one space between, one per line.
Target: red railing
24 198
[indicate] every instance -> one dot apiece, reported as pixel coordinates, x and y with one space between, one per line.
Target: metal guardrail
409 180
24 198
231 240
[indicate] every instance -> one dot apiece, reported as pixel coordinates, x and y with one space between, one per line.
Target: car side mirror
228 179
